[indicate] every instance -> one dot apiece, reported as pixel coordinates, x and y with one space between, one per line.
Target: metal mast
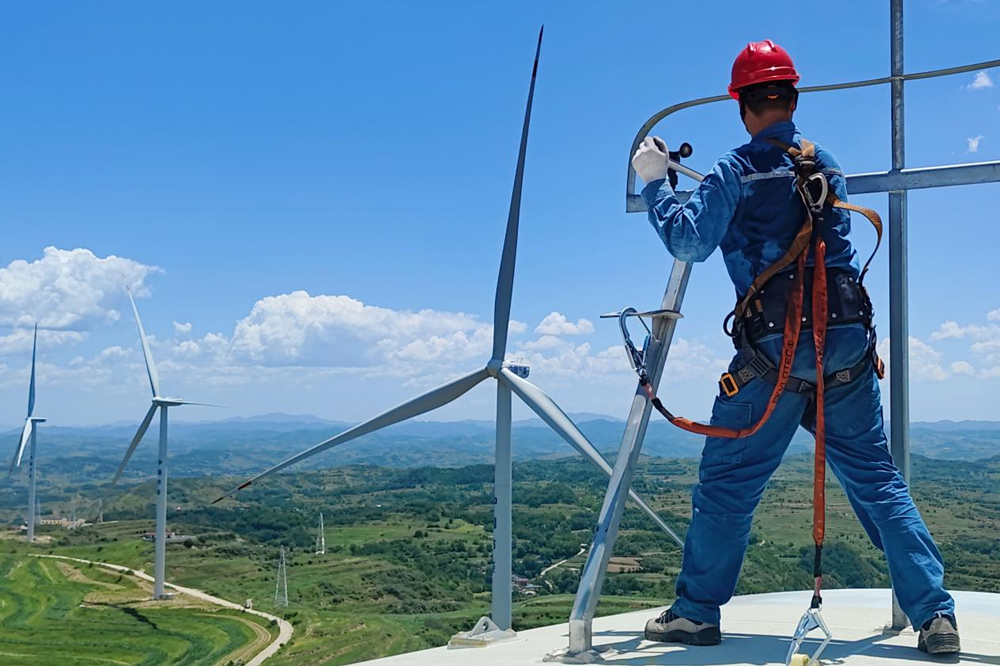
281 585
321 538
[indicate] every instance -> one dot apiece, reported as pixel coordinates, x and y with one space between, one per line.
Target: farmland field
52 611
408 553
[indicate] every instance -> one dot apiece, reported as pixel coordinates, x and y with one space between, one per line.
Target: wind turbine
507 381
29 432
163 404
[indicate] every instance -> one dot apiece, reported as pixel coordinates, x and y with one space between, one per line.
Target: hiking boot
672 628
939 635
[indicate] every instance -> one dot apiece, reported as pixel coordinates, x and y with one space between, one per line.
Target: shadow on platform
758 650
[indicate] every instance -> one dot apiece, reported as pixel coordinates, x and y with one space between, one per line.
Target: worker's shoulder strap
799 243
872 216
807 149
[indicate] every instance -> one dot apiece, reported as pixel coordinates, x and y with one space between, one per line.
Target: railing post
899 329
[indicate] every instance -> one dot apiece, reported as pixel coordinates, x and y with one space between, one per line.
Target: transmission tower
281 587
321 538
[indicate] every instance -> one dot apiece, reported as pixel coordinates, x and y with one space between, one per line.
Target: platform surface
756 632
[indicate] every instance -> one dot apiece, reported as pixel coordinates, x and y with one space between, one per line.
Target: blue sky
310 197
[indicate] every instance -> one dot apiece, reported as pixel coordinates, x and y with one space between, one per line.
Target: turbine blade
419 405
199 404
556 418
25 435
505 280
31 386
143 427
154 378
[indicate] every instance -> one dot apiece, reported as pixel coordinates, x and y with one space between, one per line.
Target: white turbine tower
159 403
29 433
507 381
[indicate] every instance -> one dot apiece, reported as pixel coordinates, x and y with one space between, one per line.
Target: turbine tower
29 433
281 586
507 381
162 404
321 538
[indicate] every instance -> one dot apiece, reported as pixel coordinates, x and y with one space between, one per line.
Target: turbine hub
493 368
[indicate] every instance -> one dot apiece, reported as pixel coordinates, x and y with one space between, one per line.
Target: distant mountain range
247 445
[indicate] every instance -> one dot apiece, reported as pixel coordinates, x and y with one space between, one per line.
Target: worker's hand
651 160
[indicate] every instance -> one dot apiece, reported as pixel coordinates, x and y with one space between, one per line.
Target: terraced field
54 612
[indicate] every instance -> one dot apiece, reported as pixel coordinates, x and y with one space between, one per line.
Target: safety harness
815 192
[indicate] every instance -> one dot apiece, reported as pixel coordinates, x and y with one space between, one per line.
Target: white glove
651 160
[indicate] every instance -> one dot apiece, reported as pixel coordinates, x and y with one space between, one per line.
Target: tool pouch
848 303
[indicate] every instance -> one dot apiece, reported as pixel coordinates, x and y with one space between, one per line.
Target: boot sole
941 645
707 636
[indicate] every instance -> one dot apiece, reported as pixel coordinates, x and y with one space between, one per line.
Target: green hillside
52 611
408 550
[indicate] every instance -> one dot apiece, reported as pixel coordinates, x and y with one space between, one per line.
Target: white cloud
67 290
981 81
556 323
973 143
298 329
20 339
962 368
925 361
985 338
562 359
951 330
543 343
182 328
988 349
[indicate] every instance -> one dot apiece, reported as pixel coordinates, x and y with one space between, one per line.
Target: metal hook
636 357
815 204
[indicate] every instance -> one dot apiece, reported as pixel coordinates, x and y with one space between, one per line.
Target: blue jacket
748 206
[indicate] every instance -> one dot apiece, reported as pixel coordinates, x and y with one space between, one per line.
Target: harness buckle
760 364
728 385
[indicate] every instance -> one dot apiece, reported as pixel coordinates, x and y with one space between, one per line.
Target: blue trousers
734 474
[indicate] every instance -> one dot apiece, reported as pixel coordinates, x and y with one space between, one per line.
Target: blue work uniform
748 206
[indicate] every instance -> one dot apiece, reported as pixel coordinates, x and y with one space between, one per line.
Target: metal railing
896 182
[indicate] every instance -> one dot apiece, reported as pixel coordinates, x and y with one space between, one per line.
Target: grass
409 552
89 615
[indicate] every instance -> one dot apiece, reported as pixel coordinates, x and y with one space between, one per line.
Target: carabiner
815 204
812 619
636 357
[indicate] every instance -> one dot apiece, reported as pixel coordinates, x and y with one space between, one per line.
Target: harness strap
819 305
789 344
760 367
872 217
806 175
799 244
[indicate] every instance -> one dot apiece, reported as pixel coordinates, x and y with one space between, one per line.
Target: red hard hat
760 62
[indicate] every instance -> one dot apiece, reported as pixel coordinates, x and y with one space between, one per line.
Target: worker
751 206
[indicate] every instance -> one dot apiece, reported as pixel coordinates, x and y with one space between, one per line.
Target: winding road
284 627
583 549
